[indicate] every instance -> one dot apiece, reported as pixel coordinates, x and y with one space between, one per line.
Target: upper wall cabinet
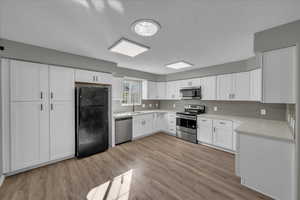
117 88
172 89
234 86
208 87
279 75
149 89
256 84
93 77
161 90
195 82
28 81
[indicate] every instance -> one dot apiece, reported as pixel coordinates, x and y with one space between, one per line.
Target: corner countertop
141 112
272 129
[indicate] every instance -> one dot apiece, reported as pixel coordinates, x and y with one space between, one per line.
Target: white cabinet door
103 78
205 130
161 90
117 88
195 82
224 87
172 123
171 90
149 90
152 90
29 81
85 76
29 134
279 76
223 138
241 86
61 83
255 84
160 122
223 134
62 129
142 125
208 87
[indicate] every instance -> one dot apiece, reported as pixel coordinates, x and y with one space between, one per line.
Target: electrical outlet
143 105
174 105
215 108
150 105
263 112
156 105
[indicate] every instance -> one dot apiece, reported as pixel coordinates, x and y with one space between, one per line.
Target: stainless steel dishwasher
123 130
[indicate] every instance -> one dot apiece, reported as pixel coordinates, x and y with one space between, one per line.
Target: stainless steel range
186 122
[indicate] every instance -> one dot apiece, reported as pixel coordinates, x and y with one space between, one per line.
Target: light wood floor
163 168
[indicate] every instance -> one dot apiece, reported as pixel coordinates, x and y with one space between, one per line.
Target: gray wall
243 109
276 38
26 52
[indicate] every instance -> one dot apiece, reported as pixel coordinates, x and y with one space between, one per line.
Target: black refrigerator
92 119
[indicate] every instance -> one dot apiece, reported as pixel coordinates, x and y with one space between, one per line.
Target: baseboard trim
2 180
37 166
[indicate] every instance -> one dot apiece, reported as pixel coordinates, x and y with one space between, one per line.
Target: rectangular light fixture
128 48
179 65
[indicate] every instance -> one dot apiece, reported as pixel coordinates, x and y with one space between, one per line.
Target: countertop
140 112
273 129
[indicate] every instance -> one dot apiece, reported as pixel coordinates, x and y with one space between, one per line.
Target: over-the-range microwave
190 93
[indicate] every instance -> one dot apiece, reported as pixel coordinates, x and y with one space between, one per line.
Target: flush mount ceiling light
145 27
179 65
128 48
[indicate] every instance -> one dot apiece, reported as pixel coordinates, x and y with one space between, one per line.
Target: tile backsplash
146 105
237 108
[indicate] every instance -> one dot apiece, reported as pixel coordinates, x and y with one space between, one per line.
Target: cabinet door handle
51 106
96 78
41 95
203 120
93 78
51 95
42 108
223 123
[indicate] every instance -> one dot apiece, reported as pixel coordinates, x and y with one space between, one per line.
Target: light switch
215 108
174 105
263 112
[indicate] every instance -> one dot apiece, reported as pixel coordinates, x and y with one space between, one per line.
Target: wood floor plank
163 167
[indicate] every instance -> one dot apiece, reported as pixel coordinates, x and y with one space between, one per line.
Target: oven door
190 93
186 122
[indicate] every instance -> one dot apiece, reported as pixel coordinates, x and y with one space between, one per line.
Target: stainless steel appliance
123 130
190 93
92 119
186 122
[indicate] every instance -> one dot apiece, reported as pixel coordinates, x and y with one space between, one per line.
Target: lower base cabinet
217 133
142 125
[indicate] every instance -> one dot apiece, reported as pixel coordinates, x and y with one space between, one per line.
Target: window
132 92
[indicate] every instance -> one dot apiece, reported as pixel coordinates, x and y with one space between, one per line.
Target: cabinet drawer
223 123
204 122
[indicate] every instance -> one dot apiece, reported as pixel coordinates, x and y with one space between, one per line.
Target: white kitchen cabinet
195 82
86 76
117 88
142 125
62 125
42 124
279 77
173 90
61 83
234 86
29 134
241 86
171 123
205 130
256 84
208 87
160 122
161 90
223 134
224 87
29 81
149 90
62 130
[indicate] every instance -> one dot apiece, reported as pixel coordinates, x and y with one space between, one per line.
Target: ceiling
202 32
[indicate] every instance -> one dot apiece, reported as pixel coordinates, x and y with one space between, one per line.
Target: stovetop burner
193 110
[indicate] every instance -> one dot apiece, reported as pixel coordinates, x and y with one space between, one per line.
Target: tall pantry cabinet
41 113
